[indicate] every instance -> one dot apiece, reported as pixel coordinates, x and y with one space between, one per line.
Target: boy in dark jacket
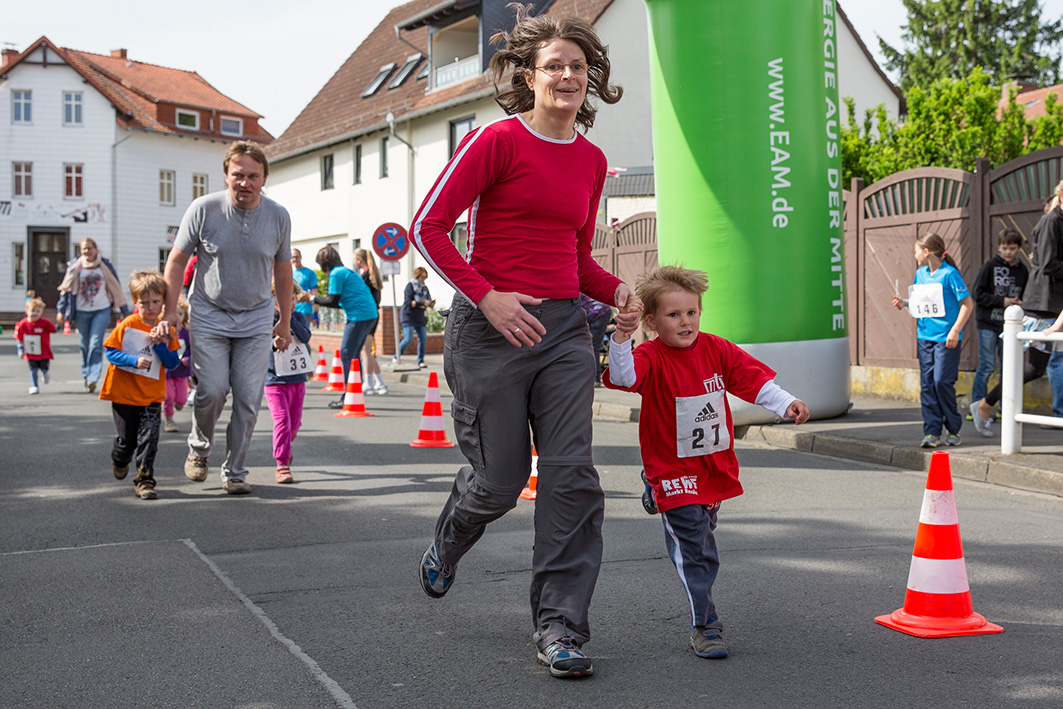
1000 283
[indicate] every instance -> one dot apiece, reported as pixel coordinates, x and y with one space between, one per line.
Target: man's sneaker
35 390
930 441
953 439
981 425
236 487
706 641
565 659
436 576
196 467
145 490
120 471
170 426
648 502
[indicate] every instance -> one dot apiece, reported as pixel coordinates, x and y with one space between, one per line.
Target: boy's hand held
143 362
798 411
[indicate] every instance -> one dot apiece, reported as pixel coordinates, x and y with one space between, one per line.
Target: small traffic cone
937 603
66 327
528 493
354 400
335 375
432 434
321 371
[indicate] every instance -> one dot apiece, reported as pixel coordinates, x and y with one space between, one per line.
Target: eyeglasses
557 68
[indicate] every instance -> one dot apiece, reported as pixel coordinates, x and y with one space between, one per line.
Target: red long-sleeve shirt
532 203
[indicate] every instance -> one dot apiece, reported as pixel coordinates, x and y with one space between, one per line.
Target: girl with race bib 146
939 301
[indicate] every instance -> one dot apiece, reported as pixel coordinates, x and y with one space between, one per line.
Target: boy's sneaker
648 502
170 426
436 576
236 487
706 641
145 490
196 467
953 439
565 659
120 471
35 390
981 425
930 441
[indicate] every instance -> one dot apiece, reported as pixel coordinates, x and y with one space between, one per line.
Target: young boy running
138 350
685 430
33 335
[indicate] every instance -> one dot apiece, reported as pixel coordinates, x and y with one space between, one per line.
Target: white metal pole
1011 382
395 310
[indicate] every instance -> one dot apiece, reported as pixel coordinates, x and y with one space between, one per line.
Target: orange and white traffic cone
432 434
321 371
354 400
66 327
335 374
528 493
937 603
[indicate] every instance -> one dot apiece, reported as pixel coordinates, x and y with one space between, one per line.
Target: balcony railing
457 71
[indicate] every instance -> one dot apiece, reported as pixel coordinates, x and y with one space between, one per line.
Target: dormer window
189 120
407 68
456 52
231 126
378 80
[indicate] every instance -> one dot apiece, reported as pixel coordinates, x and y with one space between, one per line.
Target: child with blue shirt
941 304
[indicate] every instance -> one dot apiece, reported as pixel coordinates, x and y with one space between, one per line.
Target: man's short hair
245 147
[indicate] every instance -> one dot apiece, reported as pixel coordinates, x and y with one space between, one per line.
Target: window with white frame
199 185
166 191
458 128
72 175
384 156
327 177
21 106
188 119
358 164
232 126
72 108
23 182
164 254
18 263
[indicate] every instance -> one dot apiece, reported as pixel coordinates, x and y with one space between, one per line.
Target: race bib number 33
294 360
701 424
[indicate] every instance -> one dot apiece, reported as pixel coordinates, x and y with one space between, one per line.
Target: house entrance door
48 256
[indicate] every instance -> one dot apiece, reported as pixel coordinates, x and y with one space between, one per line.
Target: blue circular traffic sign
390 241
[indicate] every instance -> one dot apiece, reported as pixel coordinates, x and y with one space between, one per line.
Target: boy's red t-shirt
124 387
39 328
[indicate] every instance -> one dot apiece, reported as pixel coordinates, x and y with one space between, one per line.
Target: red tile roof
1034 100
145 95
339 112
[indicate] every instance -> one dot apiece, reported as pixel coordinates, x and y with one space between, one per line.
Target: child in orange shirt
139 350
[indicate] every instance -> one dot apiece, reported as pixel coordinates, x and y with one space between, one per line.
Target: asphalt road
306 595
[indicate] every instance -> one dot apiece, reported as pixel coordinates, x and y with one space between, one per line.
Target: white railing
459 70
1011 365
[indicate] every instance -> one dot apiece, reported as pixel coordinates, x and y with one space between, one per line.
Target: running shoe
565 659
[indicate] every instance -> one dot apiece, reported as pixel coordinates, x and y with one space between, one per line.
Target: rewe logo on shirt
683 485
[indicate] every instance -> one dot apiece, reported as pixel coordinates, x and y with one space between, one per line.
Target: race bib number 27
701 424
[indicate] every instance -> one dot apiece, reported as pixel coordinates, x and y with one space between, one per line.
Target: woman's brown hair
522 45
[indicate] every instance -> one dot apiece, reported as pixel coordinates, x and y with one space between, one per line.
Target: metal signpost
391 242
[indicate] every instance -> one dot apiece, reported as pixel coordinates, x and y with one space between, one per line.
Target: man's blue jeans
990 348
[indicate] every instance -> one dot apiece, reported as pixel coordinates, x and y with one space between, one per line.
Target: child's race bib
294 360
138 344
32 344
701 424
926 300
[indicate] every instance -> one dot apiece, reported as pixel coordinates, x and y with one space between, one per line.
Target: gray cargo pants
498 391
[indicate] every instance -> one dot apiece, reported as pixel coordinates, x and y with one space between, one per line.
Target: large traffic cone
432 434
66 327
335 374
321 371
937 603
528 493
354 400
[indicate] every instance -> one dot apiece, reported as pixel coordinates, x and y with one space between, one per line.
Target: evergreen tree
950 38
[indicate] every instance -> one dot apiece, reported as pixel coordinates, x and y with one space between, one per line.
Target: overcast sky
273 56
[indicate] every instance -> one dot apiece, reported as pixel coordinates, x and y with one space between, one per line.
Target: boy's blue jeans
990 348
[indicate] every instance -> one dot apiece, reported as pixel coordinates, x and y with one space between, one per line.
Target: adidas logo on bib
706 414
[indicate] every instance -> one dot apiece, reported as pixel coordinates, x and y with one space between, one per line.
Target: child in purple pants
284 396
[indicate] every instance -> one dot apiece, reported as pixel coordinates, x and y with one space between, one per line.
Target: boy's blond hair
650 286
34 303
147 281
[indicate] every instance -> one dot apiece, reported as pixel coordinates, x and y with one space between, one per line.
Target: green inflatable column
748 174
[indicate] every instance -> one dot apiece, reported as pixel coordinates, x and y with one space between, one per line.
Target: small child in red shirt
33 337
139 350
685 431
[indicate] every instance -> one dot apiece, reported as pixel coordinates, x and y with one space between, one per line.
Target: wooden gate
629 249
1016 193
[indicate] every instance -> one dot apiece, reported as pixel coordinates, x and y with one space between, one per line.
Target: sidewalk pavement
874 430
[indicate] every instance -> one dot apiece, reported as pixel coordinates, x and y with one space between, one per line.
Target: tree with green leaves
951 123
950 38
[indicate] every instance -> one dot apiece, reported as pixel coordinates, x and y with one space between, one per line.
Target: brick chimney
118 54
10 55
